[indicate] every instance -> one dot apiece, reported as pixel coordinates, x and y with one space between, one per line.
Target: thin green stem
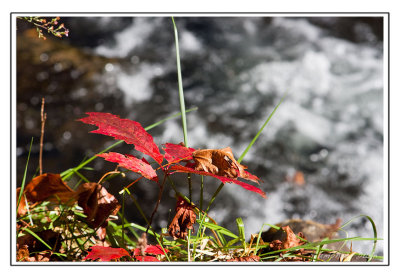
260 131
138 207
247 149
24 177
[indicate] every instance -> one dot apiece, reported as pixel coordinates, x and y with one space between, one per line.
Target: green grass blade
169 118
110 231
260 131
181 96
240 226
181 99
24 177
220 229
247 149
37 237
373 228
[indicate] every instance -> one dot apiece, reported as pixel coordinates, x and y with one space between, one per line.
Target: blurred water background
320 157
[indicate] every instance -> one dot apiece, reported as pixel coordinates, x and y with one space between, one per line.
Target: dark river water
328 130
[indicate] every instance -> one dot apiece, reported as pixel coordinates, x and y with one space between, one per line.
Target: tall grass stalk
181 98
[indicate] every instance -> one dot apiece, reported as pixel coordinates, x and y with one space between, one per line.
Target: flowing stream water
321 155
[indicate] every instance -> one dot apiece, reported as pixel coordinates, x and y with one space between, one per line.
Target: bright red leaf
150 249
124 129
183 169
105 254
132 163
176 152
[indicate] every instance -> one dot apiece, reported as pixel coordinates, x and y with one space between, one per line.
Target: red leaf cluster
217 163
184 219
106 254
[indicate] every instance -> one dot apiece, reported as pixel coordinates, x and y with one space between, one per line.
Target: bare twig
158 200
43 117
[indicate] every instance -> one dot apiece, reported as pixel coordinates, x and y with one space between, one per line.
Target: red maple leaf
176 152
183 169
132 163
124 129
150 249
105 254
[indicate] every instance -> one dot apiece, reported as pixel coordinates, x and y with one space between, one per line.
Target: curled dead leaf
45 187
218 162
96 202
184 219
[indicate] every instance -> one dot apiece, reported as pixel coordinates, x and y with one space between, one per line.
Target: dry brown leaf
290 241
184 219
219 162
27 244
22 253
88 198
97 204
45 187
